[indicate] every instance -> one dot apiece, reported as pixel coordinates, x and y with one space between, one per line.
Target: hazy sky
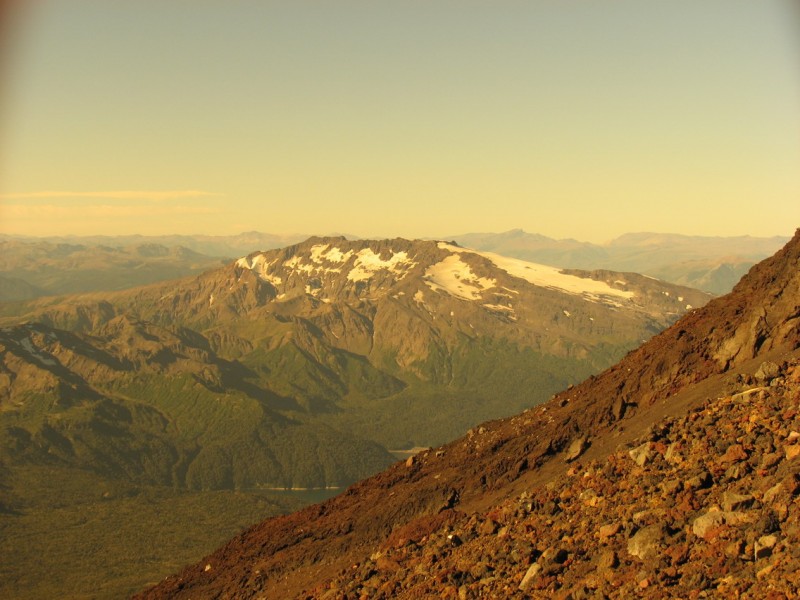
570 118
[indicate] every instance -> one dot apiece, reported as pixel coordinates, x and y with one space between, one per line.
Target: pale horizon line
152 195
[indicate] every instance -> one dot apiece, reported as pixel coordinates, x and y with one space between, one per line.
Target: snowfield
545 276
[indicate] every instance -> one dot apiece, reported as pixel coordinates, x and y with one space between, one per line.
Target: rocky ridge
479 507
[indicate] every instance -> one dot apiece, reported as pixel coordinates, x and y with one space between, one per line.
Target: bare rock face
713 510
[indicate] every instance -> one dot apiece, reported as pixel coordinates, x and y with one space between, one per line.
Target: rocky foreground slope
674 473
706 503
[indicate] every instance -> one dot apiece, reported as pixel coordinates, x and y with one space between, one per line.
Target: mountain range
674 473
712 264
249 375
43 268
33 267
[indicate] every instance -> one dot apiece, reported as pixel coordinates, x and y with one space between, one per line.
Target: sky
412 118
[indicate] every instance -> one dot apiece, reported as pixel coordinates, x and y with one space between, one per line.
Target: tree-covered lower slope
160 411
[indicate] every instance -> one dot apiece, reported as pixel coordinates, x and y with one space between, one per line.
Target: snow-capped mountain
393 342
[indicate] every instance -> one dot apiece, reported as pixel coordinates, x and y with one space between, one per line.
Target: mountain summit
674 472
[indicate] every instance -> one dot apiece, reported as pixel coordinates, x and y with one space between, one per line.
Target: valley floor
70 534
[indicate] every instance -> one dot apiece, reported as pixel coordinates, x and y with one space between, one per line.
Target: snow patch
455 277
296 264
368 263
320 253
261 268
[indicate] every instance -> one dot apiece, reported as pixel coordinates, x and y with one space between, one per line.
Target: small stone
792 451
762 573
770 459
734 453
608 560
734 549
646 542
208 568
531 574
764 545
772 493
705 523
488 527
792 484
618 408
576 448
554 555
410 461
697 482
641 455
671 487
768 522
672 455
607 531
767 371
731 501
